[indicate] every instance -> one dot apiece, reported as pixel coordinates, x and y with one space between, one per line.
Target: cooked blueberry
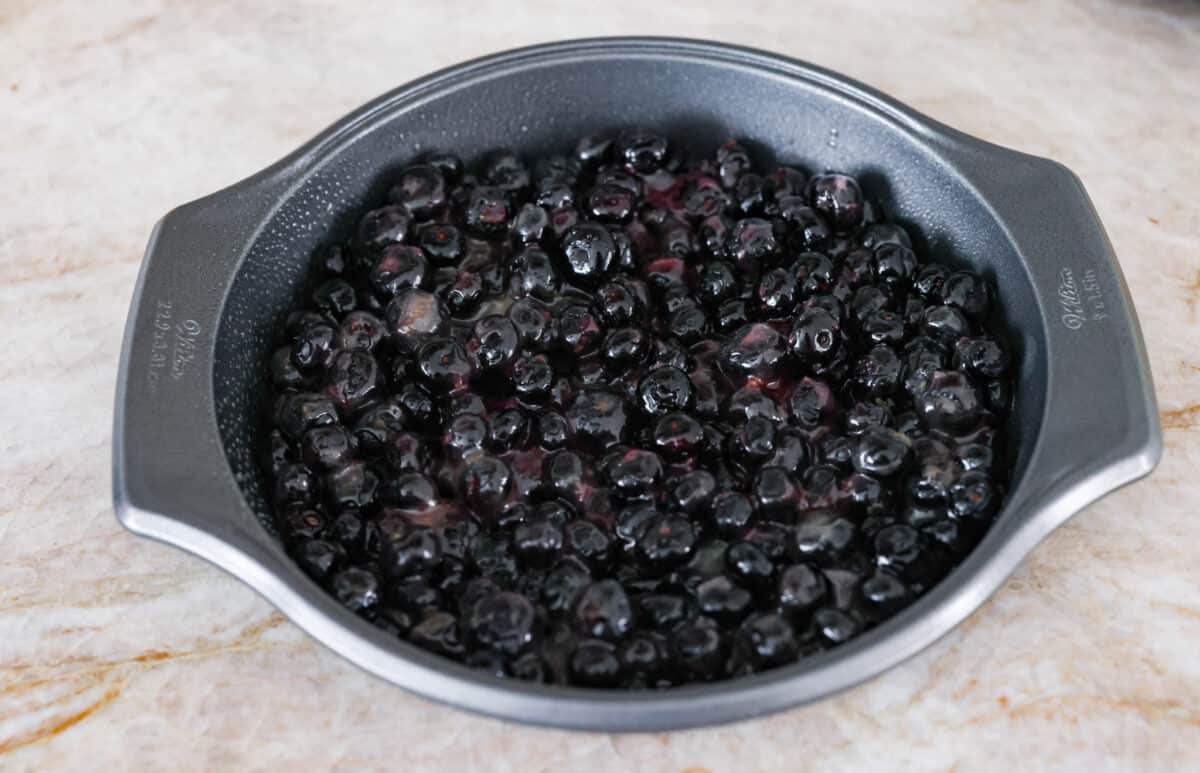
755 350
484 482
664 390
598 417
356 588
594 663
823 537
881 452
838 198
730 512
412 315
384 226
313 347
635 473
693 491
723 600
327 447
950 402
777 294
488 211
666 543
751 241
699 647
767 640
586 540
801 588
884 594
421 189
815 335
442 242
319 557
505 170
967 291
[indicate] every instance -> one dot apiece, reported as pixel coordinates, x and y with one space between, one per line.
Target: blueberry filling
624 418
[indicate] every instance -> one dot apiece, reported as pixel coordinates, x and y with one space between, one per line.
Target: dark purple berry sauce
622 418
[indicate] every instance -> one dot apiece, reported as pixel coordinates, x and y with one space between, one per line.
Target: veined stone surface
118 653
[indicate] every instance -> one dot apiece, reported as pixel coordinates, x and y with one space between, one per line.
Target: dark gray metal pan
220 271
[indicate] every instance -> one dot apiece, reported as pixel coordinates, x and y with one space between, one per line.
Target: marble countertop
118 653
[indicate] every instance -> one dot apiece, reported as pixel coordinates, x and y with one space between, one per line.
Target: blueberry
438 632
664 390
327 447
667 542
351 486
755 350
812 404
767 640
505 170
443 363
484 482
723 600
815 335
642 150
972 497
833 626
944 323
876 373
750 194
693 491
774 493
493 343
488 212
807 229
751 242
502 621
578 329
603 611
699 647
749 565
384 226
359 330
533 275
357 589
537 541
414 314
969 292
588 542
800 589
421 189
950 402
313 347
598 417
551 430
730 512
822 537
589 252
677 435
441 242
838 198
509 430
594 663
881 452
635 473
894 265
982 357
732 162
884 594
417 552
318 558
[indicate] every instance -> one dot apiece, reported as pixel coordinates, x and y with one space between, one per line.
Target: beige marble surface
116 653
